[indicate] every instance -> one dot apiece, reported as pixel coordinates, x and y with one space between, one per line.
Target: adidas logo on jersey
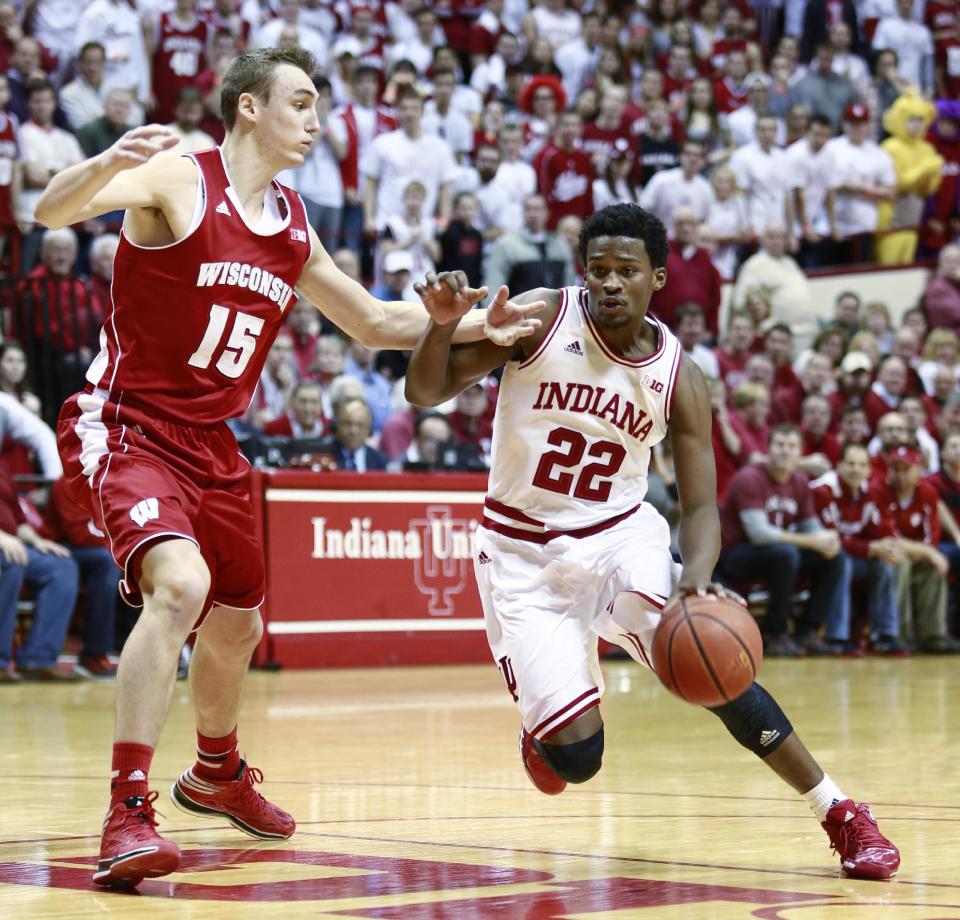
483 558
574 349
299 236
767 738
223 209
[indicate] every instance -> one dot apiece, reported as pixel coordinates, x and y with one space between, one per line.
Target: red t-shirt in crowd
948 489
856 517
828 445
917 519
752 440
752 488
565 179
732 367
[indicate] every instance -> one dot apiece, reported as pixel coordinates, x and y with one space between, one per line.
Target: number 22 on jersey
593 482
240 346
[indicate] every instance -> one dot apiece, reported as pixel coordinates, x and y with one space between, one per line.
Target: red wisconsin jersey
179 57
191 323
8 158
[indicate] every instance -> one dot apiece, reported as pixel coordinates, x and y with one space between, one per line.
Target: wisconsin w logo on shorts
146 510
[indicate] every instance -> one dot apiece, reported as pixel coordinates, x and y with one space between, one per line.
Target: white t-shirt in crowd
319 178
912 42
51 148
810 172
762 177
454 127
668 190
395 159
863 164
725 218
557 28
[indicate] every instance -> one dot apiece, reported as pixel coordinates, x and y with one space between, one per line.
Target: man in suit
352 424
434 450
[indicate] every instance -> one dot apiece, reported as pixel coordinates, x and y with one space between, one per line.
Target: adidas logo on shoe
767 738
483 558
574 349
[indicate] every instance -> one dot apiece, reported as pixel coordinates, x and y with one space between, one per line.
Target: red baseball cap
908 456
856 112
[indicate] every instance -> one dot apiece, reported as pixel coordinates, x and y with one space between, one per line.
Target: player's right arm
126 175
437 371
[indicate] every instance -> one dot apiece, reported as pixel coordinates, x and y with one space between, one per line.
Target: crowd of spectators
771 139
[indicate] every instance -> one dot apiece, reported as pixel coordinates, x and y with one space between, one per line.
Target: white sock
822 797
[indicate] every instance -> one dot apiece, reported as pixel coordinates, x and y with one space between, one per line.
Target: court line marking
608 858
580 792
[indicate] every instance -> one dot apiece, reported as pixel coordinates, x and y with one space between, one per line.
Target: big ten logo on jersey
444 569
147 509
652 383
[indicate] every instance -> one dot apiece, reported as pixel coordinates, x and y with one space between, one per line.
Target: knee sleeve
577 762
756 721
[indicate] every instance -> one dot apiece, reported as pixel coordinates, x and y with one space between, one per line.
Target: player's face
287 123
620 280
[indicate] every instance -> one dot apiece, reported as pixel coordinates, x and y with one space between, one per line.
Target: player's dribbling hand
713 588
508 321
138 146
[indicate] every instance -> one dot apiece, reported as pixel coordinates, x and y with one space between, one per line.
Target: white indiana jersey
574 428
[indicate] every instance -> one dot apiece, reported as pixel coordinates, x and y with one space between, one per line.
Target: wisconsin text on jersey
582 397
251 277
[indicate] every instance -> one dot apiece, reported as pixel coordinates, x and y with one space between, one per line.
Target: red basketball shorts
146 479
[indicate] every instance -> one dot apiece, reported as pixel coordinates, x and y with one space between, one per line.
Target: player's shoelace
143 815
860 833
250 795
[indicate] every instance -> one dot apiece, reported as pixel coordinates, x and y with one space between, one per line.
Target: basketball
707 650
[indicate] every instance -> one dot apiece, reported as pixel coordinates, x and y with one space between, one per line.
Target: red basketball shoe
864 851
236 800
130 849
537 768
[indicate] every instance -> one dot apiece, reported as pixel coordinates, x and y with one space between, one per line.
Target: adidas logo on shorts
483 558
574 349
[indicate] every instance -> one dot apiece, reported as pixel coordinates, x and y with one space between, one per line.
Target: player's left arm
692 447
399 324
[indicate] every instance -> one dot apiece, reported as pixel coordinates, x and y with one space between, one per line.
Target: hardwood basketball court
412 803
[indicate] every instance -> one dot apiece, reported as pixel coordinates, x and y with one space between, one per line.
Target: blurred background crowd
778 140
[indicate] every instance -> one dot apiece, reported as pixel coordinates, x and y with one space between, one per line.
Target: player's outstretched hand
138 146
713 588
448 296
508 321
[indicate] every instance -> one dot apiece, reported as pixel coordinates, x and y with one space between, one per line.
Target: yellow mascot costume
918 168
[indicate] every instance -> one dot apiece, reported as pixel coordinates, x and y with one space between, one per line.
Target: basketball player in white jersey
568 550
211 250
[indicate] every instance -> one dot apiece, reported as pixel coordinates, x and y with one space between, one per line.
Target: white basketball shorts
546 604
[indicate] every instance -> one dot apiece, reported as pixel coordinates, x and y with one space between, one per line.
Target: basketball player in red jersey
568 550
179 54
211 251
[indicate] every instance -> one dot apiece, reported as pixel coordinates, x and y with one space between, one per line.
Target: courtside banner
372 569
